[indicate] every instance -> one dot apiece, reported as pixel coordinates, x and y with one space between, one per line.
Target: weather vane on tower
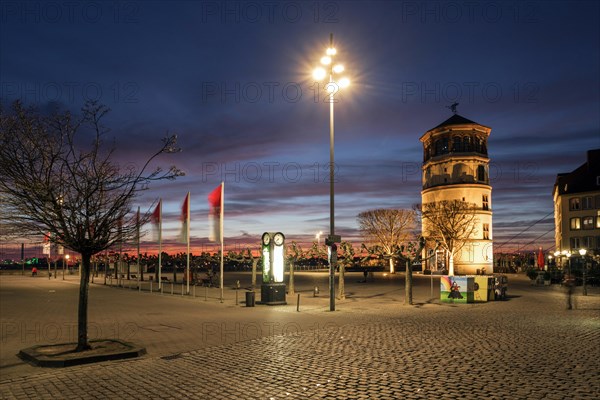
452 107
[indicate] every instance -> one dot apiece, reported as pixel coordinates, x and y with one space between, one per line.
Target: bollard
298 303
315 291
205 289
140 287
236 297
250 299
150 286
171 287
182 290
194 290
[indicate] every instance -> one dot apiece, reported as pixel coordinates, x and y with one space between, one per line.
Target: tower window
481 173
456 144
486 231
486 204
467 144
445 146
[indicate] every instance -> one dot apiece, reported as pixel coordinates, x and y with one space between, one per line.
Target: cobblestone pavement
529 347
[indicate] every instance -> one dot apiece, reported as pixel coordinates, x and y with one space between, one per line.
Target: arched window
467 144
457 144
438 147
445 146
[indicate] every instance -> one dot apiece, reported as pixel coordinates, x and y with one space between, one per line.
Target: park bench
164 279
133 276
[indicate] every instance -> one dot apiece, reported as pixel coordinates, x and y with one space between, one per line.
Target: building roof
586 178
455 120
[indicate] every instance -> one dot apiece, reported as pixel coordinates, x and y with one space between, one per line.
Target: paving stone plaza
371 347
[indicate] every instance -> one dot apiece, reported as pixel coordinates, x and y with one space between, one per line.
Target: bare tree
388 229
451 223
49 182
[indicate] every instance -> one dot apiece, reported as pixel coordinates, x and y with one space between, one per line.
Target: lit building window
588 222
486 231
486 204
575 224
574 204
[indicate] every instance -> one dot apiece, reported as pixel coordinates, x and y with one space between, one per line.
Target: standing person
34 271
569 282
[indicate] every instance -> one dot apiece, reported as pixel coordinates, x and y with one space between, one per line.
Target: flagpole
139 272
159 244
221 234
187 268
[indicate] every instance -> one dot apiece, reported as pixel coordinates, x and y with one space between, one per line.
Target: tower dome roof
455 120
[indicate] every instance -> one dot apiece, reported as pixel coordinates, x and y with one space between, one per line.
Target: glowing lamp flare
331 51
338 68
325 60
319 74
344 82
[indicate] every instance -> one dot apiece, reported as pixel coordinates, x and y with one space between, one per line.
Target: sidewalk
373 346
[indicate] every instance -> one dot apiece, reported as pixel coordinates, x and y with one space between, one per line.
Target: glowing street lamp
331 68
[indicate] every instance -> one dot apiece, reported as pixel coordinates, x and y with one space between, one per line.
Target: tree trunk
254 262
342 289
392 270
451 263
82 312
291 289
408 296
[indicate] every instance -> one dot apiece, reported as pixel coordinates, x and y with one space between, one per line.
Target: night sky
233 80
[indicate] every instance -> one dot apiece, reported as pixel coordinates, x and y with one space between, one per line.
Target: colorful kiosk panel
466 289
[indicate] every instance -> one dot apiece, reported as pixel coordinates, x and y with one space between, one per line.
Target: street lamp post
582 252
332 87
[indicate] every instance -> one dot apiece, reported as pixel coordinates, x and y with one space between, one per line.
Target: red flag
185 217
540 260
215 213
156 214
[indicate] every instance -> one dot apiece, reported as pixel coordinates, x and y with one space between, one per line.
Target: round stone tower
456 167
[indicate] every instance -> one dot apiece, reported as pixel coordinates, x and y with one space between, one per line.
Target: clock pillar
272 290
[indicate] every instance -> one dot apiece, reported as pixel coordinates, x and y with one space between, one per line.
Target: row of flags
215 217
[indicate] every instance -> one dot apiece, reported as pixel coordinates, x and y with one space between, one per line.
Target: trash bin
249 299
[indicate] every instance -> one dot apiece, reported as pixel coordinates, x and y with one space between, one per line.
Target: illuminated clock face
278 239
266 239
